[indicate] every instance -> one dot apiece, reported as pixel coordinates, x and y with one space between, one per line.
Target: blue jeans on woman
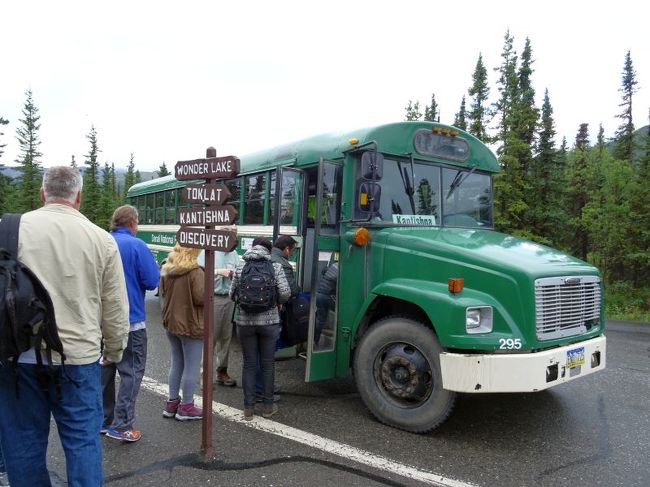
256 340
25 424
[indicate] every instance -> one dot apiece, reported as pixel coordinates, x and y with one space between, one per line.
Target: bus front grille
566 306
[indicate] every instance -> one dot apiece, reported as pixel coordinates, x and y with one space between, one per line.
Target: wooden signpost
198 231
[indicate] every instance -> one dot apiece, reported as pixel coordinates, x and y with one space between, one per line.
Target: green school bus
429 300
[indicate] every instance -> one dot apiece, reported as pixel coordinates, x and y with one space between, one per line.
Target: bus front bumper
522 372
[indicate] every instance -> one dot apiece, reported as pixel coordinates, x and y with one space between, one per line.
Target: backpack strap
9 233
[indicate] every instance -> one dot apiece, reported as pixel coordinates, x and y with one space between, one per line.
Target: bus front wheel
397 371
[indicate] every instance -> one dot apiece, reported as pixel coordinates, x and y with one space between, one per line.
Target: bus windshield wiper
459 179
406 181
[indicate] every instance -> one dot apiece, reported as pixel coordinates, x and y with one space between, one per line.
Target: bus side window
170 207
331 206
159 216
311 175
149 208
234 186
255 187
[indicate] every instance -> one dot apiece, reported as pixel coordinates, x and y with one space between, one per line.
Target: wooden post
208 334
212 195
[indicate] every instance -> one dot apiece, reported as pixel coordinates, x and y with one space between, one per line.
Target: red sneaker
171 408
188 412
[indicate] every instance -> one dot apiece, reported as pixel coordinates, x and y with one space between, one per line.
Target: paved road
589 432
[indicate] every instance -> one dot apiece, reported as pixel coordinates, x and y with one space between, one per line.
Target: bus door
321 252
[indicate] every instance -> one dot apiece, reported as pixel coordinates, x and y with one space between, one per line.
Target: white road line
324 444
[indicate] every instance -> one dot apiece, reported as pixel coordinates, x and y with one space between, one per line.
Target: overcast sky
165 80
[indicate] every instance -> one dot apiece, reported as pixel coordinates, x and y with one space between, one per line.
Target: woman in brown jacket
181 288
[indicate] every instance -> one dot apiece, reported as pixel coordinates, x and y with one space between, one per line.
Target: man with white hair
79 265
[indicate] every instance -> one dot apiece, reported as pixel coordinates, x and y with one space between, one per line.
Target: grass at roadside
623 302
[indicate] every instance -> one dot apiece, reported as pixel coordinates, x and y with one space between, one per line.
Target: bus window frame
279 180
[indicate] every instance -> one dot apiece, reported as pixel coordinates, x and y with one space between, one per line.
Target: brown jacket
182 295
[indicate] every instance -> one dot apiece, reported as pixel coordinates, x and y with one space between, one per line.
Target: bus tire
397 372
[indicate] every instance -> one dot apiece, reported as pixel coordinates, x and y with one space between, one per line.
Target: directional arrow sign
209 168
213 215
210 194
200 238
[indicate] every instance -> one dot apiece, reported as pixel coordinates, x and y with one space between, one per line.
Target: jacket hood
258 252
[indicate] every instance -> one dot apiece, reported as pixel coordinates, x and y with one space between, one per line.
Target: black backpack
296 326
26 310
257 289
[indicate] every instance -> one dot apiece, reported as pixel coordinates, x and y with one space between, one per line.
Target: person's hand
106 362
225 272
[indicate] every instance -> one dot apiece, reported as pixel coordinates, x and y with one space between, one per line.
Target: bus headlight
478 319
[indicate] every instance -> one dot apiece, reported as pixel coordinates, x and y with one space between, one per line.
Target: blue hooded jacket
140 271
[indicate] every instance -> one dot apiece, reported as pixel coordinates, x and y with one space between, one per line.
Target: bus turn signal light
455 285
361 237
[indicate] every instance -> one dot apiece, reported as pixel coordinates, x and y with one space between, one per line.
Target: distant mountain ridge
14 172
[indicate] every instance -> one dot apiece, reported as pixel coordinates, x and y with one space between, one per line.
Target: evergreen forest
586 198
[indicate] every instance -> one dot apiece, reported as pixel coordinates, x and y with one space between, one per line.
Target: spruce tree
2 146
460 120
106 204
91 200
561 233
129 177
138 177
624 137
114 191
413 111
73 163
546 180
30 167
507 84
527 114
639 257
431 111
479 91
511 183
163 171
609 221
600 139
578 193
5 181
5 191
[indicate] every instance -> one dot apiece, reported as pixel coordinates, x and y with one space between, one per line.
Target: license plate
575 357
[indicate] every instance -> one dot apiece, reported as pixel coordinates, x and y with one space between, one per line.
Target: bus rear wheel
397 371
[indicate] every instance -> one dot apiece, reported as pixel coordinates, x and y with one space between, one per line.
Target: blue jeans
121 415
256 340
25 424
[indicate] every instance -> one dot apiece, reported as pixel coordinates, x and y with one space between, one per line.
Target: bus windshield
425 194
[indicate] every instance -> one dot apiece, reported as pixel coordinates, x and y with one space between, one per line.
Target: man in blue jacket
141 273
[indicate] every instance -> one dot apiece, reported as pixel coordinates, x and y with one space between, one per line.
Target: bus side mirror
372 165
369 197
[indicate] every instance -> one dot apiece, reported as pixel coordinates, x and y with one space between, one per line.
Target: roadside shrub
624 302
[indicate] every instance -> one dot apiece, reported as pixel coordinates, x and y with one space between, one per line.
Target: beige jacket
79 264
